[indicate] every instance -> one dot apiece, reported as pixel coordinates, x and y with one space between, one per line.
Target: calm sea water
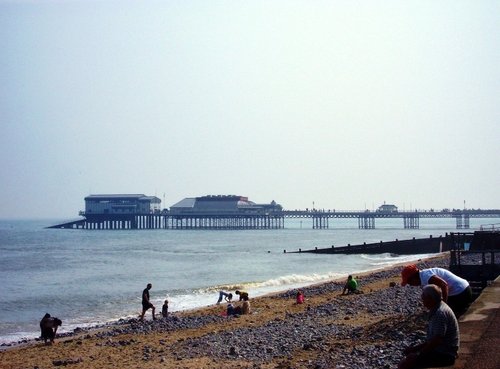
89 277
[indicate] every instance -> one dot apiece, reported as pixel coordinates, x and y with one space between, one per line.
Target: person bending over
456 291
48 327
242 294
224 295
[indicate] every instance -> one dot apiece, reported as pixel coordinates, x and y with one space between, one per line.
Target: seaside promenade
480 331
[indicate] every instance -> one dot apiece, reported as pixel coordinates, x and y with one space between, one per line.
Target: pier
321 219
167 221
231 212
261 220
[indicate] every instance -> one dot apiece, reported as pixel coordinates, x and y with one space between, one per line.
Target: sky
341 104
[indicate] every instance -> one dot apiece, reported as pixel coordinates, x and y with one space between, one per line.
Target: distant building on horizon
387 208
121 204
227 204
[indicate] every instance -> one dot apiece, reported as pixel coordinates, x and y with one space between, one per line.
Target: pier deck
264 220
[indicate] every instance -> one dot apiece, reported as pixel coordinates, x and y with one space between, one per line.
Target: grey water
90 277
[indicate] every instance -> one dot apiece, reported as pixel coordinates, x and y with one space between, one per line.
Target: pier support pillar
366 222
463 221
320 222
411 222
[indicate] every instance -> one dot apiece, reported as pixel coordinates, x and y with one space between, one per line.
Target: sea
93 277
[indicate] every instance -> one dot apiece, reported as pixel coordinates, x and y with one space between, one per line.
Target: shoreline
280 330
85 327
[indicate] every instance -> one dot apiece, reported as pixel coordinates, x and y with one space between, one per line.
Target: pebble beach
330 330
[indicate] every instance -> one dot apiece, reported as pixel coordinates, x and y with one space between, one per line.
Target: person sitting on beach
48 327
230 310
245 307
300 297
456 291
351 286
146 304
228 297
164 309
242 309
242 294
441 345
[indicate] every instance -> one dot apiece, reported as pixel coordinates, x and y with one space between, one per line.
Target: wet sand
367 330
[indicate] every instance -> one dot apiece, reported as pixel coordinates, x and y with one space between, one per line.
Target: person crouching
48 327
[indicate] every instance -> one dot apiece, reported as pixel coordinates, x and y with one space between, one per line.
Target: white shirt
456 285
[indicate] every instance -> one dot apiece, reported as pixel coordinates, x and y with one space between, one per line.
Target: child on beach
224 295
164 309
300 297
242 294
351 286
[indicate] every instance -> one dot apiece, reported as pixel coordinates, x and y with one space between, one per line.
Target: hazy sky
344 103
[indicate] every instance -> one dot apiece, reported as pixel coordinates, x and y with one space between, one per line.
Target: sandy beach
367 330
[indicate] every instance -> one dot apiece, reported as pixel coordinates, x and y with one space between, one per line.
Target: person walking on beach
242 294
443 336
48 327
456 291
224 295
146 303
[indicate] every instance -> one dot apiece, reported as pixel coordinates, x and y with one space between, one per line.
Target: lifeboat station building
121 204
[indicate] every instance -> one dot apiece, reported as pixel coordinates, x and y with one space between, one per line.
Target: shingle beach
367 330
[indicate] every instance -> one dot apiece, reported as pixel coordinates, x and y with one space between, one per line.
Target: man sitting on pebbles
441 346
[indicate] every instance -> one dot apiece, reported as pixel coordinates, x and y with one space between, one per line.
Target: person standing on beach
443 335
164 309
146 304
456 291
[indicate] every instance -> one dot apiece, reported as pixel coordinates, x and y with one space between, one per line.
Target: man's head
149 286
410 275
431 296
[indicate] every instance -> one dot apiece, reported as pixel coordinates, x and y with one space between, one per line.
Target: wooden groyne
400 247
454 241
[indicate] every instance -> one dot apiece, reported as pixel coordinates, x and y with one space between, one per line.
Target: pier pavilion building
225 212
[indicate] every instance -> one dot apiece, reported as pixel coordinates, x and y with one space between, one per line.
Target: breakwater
400 247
